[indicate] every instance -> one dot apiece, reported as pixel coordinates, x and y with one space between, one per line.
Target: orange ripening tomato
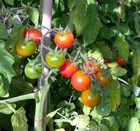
68 69
104 78
80 81
90 99
64 40
24 48
91 67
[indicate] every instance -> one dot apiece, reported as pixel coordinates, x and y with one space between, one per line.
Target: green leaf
115 97
133 124
81 121
71 3
9 2
104 49
34 15
5 108
93 25
6 63
19 120
136 61
136 89
86 110
50 115
118 71
4 86
79 16
122 46
108 33
10 21
3 32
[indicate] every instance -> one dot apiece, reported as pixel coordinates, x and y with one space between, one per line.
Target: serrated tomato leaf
19 120
5 108
3 32
93 25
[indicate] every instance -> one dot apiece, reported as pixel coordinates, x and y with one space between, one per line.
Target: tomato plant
104 78
91 67
80 81
90 99
64 40
33 34
68 69
56 59
120 61
33 69
24 48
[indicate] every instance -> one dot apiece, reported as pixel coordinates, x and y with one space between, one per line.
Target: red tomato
33 34
106 60
80 81
120 61
64 40
92 68
90 99
104 78
68 69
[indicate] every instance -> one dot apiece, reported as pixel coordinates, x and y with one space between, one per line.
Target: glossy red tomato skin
120 61
104 78
89 65
64 40
55 60
68 69
34 34
80 81
106 60
90 99
24 48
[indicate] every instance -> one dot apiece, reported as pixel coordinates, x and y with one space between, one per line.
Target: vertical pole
46 22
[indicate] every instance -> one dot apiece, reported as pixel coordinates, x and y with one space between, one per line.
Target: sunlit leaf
122 46
19 120
115 97
118 71
81 121
5 108
34 15
133 124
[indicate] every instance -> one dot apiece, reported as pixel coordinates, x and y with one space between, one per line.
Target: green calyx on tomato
104 78
64 40
80 81
25 48
33 34
33 69
91 68
55 59
68 69
90 99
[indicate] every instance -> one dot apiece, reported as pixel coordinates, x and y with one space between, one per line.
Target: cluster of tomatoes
81 79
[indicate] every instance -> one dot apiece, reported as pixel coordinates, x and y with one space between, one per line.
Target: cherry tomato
106 60
90 99
120 61
55 59
33 70
64 40
80 81
68 69
104 78
34 34
24 48
91 67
